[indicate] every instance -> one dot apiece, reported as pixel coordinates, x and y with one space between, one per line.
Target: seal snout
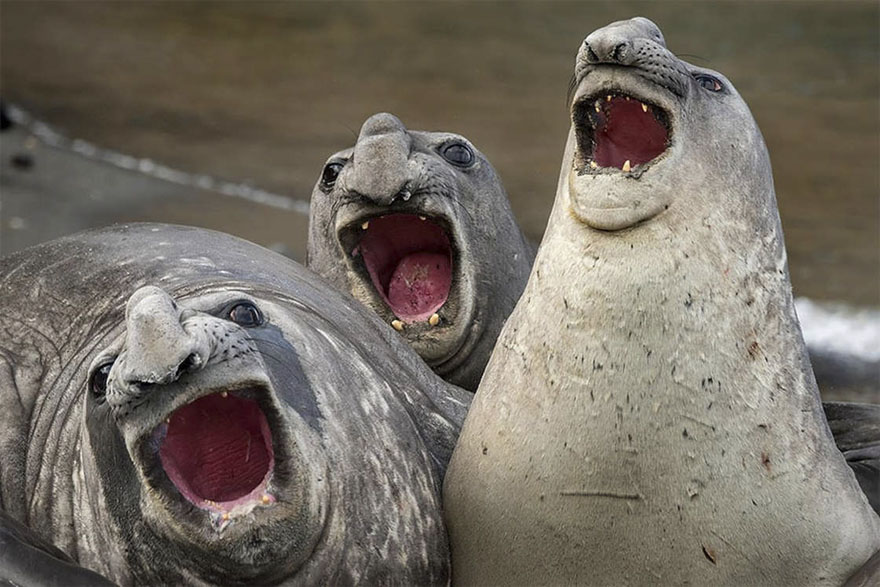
155 335
379 163
615 44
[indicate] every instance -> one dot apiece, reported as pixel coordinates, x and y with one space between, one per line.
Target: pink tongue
419 285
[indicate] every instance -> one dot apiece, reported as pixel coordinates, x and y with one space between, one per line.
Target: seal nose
380 159
614 44
156 340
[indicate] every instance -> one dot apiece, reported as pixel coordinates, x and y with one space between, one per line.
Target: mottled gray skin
649 415
361 429
393 170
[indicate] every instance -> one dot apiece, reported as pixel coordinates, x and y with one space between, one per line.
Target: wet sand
264 92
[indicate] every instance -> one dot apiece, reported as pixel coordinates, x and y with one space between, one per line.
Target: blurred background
222 114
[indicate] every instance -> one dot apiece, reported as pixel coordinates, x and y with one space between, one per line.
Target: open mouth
409 261
217 451
619 131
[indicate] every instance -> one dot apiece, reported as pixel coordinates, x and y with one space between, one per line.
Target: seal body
182 406
649 415
417 226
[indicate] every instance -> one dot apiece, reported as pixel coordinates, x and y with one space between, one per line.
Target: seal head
417 226
637 107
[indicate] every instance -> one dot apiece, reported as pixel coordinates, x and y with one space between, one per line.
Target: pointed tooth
434 320
608 98
365 225
225 516
627 98
626 166
421 217
397 325
644 107
593 165
598 109
266 499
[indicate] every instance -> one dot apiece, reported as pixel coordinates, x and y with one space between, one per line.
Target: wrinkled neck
688 295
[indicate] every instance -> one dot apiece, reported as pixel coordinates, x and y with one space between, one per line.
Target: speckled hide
179 406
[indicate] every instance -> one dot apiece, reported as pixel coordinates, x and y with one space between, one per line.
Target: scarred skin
392 170
361 429
649 415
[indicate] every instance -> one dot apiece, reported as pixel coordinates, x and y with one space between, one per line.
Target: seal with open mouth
181 406
649 415
417 226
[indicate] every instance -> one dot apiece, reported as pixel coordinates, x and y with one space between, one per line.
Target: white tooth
421 217
434 320
644 107
626 166
223 394
365 225
397 325
627 98
593 165
608 98
265 499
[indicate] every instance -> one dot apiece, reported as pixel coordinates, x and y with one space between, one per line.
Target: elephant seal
181 406
417 226
649 415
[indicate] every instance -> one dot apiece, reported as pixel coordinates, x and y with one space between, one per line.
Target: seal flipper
856 430
26 559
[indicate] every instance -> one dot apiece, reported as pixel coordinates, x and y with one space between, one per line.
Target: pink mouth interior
410 263
624 131
218 449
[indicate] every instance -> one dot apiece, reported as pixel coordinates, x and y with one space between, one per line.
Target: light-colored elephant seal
417 226
649 416
179 406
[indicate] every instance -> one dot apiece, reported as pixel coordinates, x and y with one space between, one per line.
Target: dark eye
330 173
458 154
246 314
98 381
707 81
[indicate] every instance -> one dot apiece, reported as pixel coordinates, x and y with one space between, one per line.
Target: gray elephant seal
181 406
417 226
649 415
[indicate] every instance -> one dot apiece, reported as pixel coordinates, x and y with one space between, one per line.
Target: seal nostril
619 53
591 55
190 363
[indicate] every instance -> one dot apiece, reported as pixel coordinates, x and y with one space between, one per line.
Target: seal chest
649 415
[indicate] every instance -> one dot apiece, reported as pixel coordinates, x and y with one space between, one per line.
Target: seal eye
709 82
98 381
330 173
246 314
458 154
